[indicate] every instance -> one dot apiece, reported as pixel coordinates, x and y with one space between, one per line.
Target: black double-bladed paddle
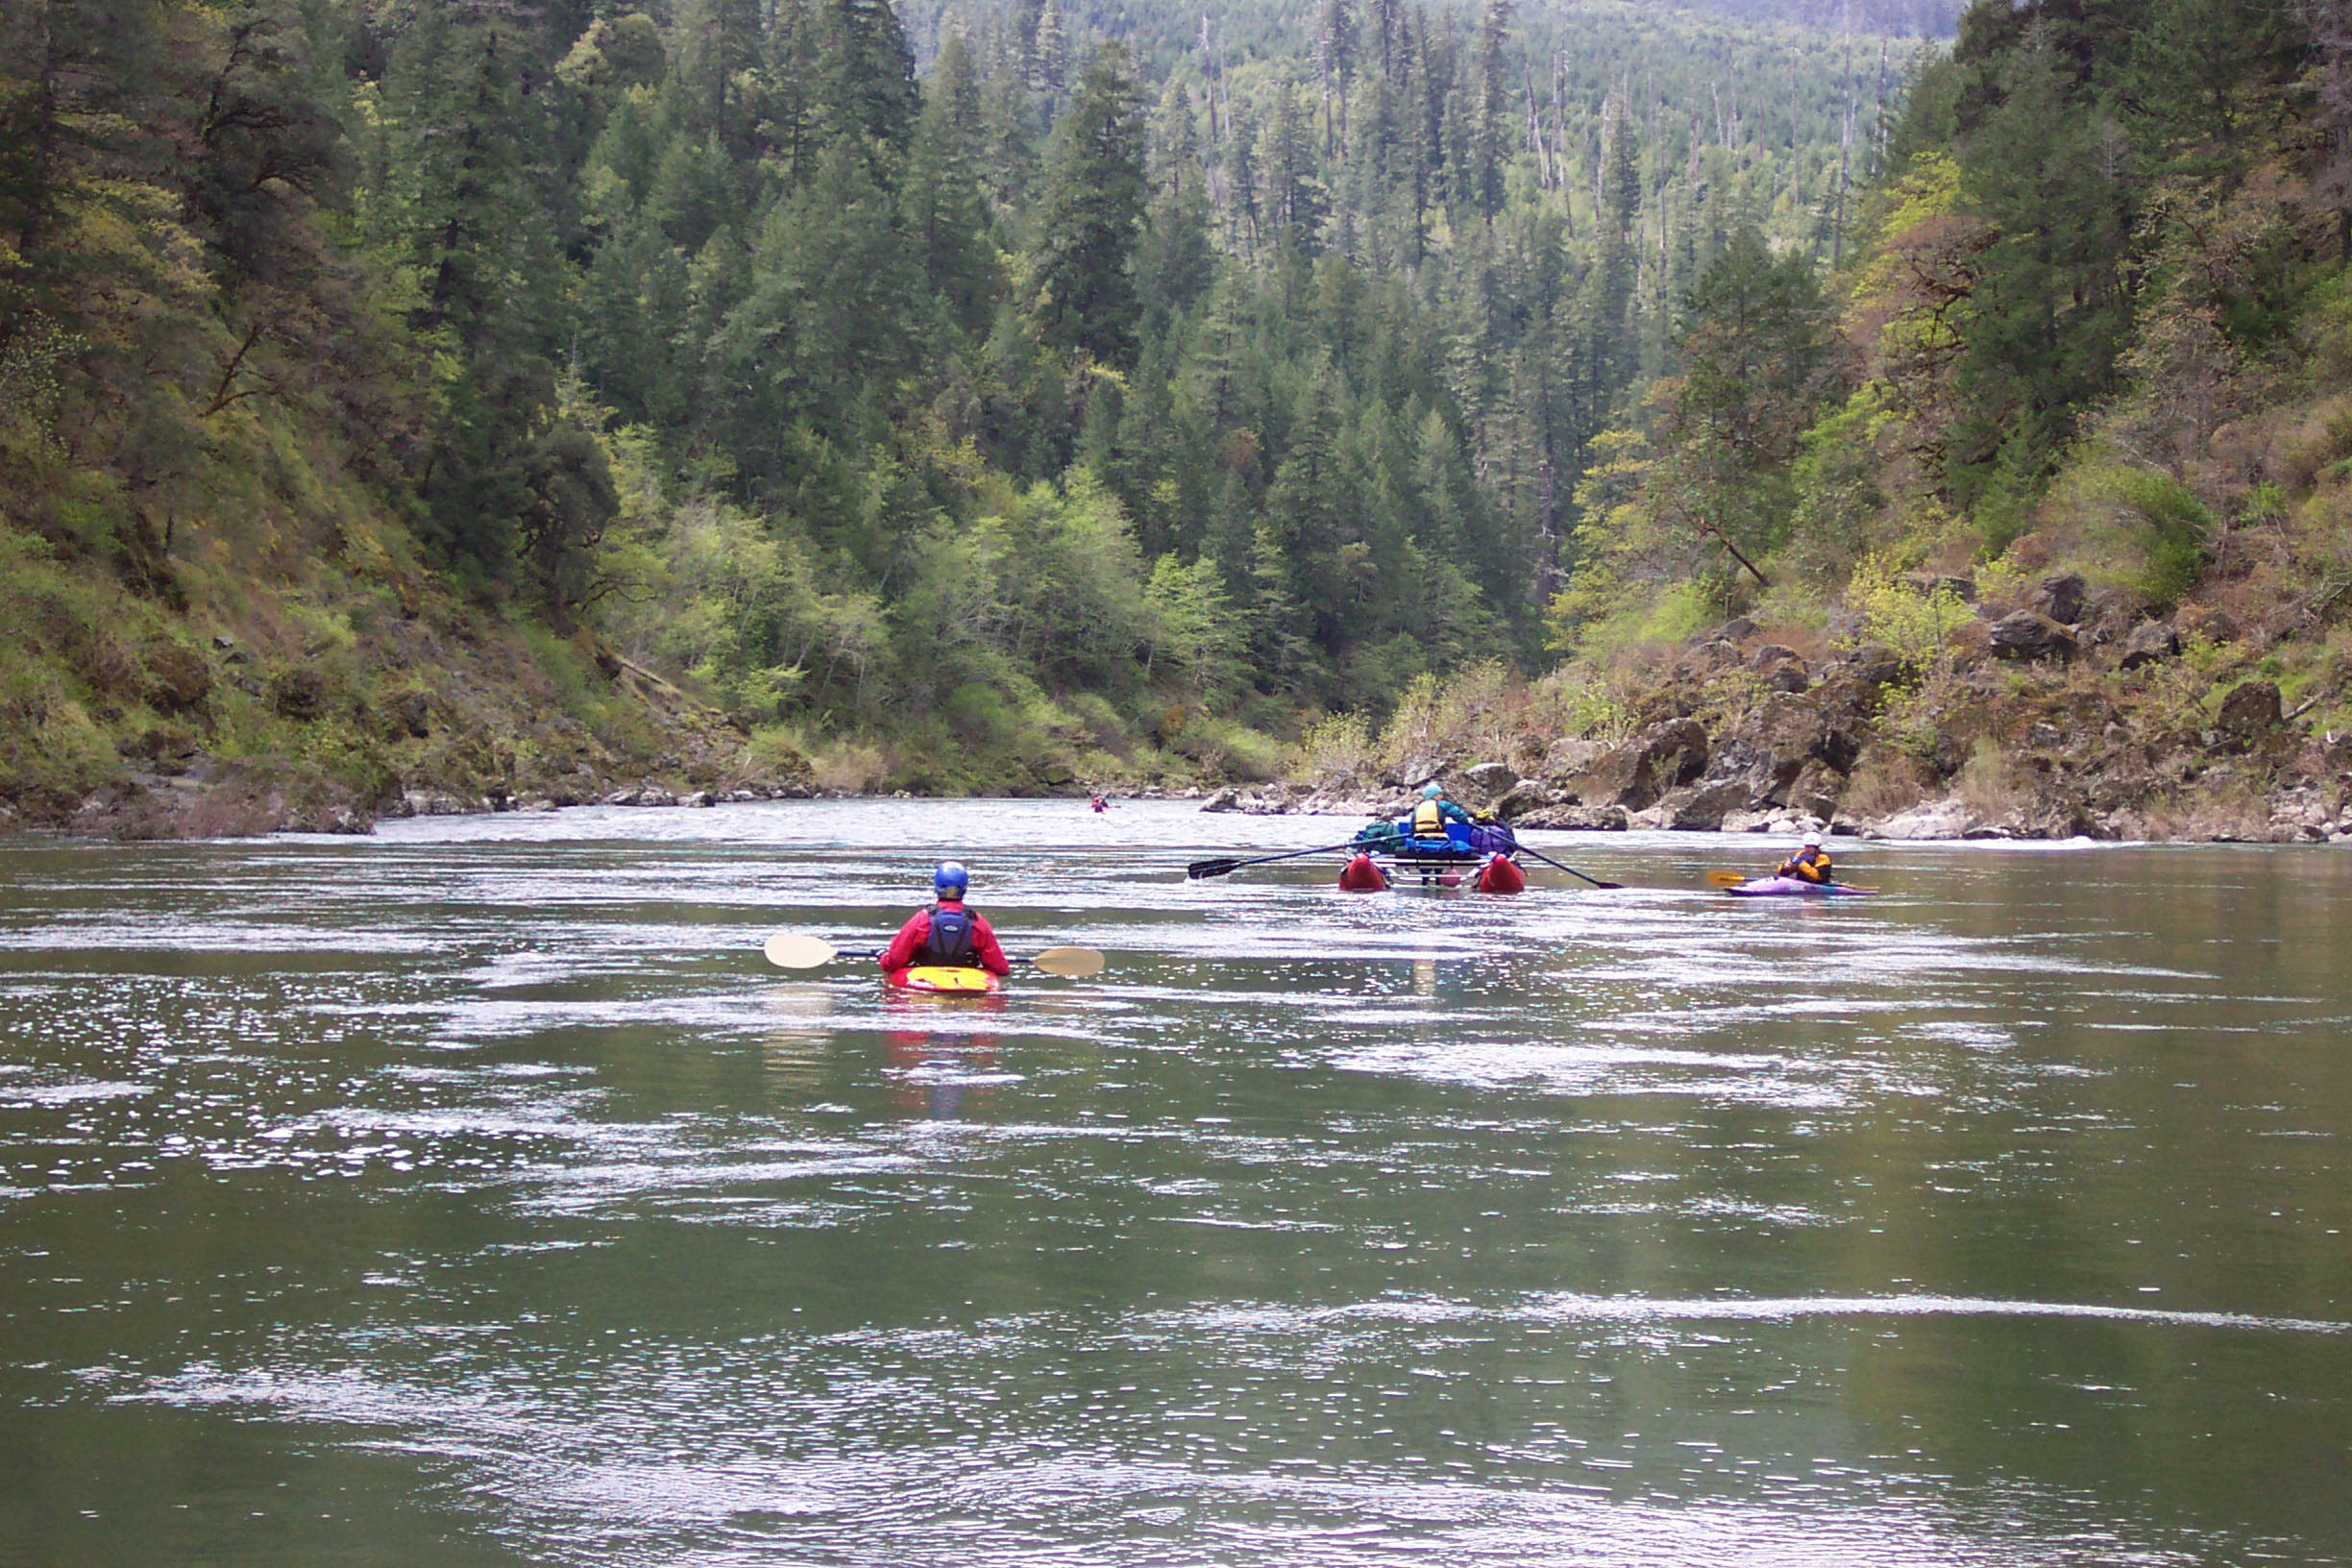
1612 887
1200 868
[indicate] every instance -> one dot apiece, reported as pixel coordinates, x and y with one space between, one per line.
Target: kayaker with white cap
1810 864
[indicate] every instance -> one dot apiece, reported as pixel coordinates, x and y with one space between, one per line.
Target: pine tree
1049 60
1176 261
867 71
793 125
1010 117
718 42
1090 213
945 212
1492 131
1336 51
2050 308
1243 180
2199 75
1293 203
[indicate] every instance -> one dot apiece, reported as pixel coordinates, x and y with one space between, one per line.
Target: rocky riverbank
2058 713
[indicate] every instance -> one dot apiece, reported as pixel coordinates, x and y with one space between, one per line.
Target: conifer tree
1090 213
718 42
868 70
1049 60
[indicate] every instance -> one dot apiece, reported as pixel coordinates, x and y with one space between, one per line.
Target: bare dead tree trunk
2330 25
1723 539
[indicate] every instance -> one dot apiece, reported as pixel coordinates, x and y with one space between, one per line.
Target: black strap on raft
949 945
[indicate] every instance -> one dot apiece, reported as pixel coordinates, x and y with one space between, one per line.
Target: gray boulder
1719 654
2151 641
1662 758
2060 597
1576 816
1875 663
1486 783
1701 808
2213 626
1817 791
2248 710
1769 747
2029 635
1570 755
1530 795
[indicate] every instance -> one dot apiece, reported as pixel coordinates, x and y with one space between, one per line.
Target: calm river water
473 1195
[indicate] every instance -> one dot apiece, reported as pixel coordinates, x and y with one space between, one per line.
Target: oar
1612 887
790 950
1070 962
1200 868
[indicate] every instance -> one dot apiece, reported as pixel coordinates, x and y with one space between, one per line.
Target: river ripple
472 1194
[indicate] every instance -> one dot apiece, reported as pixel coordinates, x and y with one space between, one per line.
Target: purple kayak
1777 887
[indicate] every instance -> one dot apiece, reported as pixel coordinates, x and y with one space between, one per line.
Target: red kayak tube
1501 875
1362 875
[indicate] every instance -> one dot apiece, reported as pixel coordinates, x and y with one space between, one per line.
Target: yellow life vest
1429 822
1811 865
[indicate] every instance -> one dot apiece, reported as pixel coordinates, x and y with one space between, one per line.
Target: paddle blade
1610 887
1210 867
1070 962
790 950
1725 879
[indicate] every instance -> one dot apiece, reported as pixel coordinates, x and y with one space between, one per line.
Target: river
472 1194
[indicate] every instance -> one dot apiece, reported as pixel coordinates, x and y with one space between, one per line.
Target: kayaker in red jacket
1812 864
947 935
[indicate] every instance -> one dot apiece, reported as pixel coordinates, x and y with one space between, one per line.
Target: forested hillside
2031 516
399 397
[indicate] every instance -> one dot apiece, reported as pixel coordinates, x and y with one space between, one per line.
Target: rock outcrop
2150 642
2045 720
2029 634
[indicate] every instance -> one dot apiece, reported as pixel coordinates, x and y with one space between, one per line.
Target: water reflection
474 1196
797 1051
941 1052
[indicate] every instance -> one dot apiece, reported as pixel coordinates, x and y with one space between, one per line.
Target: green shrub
2170 525
1338 747
2179 530
1911 623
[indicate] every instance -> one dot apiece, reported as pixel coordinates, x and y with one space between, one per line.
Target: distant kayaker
1100 803
947 935
1429 817
1810 864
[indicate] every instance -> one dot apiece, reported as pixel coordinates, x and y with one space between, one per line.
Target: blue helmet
950 880
1431 791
